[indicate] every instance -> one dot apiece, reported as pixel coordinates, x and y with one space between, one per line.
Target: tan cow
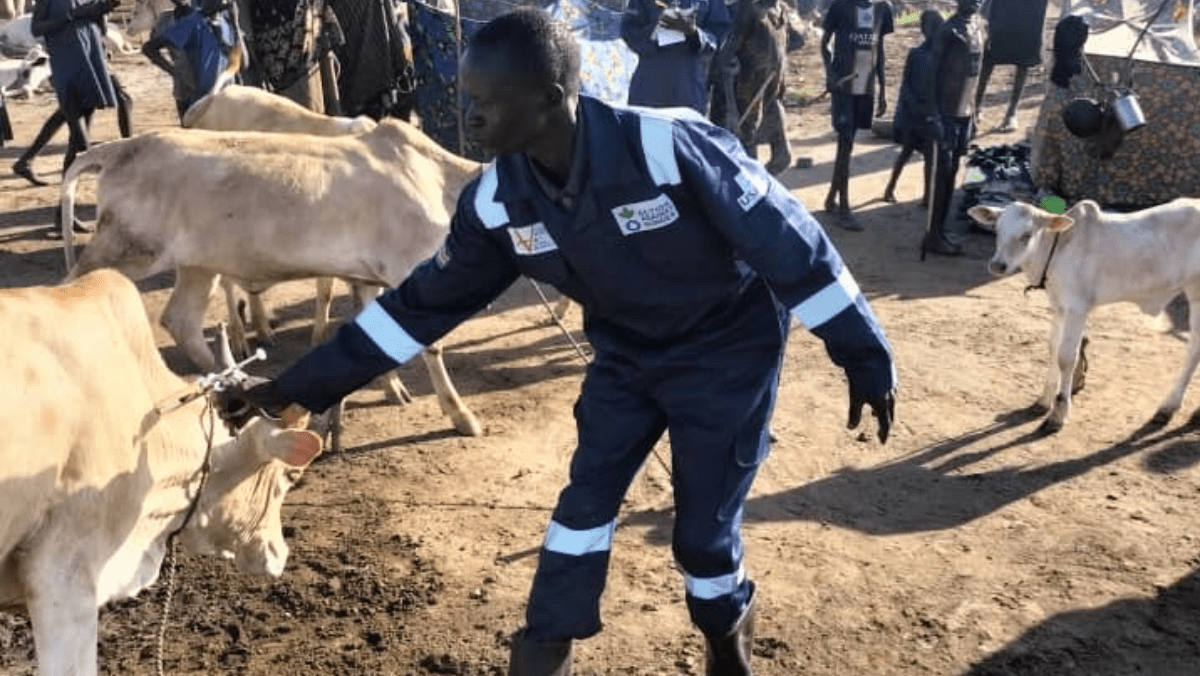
265 208
96 471
240 108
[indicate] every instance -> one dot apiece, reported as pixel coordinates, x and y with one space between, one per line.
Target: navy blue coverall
686 257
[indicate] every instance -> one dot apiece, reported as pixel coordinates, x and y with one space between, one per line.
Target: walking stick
933 197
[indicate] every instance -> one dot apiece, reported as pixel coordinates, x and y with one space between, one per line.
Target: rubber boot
531 657
729 655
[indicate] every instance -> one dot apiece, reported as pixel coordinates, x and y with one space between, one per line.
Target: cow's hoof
1037 409
1049 426
468 425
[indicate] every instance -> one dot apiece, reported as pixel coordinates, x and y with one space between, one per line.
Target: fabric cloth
851 112
606 62
858 26
205 43
183 80
673 75
685 256
1015 29
1115 26
375 58
290 37
910 125
78 65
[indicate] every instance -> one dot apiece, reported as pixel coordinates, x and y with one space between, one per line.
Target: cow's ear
984 215
1059 223
296 448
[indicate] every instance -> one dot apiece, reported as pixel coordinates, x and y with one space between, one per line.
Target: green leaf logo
627 213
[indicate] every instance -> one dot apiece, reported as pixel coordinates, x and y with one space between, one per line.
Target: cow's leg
1175 399
1072 326
1050 388
260 316
237 329
63 610
452 405
183 316
321 311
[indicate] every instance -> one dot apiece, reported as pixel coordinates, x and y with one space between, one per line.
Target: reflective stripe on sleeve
490 212
828 302
658 145
387 335
564 540
707 588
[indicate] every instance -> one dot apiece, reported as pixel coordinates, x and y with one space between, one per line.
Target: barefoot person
913 126
686 257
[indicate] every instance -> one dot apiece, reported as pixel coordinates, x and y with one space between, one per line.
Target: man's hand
679 21
239 404
883 408
881 109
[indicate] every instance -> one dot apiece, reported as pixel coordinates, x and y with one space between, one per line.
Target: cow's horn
224 351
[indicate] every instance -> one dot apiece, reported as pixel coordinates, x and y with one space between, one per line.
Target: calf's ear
1059 223
296 448
984 215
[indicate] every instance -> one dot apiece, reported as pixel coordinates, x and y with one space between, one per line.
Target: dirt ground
967 546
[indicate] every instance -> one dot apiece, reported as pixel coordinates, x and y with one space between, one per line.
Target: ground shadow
931 489
1155 636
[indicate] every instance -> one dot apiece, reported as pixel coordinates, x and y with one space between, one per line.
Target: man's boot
730 655
531 657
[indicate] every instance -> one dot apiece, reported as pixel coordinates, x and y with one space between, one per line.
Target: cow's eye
1024 239
293 475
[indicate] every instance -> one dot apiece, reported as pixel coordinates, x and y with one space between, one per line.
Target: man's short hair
532 43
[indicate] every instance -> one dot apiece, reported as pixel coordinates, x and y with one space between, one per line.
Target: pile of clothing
997 175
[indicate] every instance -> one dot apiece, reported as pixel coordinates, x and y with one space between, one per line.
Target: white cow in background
21 78
1146 257
98 465
16 38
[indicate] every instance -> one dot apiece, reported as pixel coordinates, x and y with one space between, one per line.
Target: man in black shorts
856 28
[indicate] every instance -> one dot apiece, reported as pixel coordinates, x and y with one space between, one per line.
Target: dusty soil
967 546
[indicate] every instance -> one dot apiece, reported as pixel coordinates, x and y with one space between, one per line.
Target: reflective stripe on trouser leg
618 425
719 412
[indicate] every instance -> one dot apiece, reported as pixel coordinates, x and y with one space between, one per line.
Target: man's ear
555 94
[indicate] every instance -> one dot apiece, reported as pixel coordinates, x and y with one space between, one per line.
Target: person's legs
889 192
618 425
985 74
775 131
23 166
949 152
1010 116
124 108
719 409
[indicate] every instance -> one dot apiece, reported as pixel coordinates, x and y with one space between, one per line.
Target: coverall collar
598 135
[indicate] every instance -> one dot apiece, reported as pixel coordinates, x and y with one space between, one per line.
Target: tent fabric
606 63
372 57
1115 25
1153 165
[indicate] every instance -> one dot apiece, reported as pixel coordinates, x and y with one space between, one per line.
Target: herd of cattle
116 471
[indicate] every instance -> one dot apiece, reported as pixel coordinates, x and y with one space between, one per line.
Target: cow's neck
176 451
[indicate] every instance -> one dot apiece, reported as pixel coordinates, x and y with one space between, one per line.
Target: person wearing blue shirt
689 261
205 37
675 44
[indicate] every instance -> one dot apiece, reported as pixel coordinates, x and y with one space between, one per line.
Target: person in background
857 29
957 56
912 127
205 38
74 34
689 261
675 45
1014 36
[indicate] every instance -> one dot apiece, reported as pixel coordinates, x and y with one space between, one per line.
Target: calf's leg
1173 401
452 405
1073 323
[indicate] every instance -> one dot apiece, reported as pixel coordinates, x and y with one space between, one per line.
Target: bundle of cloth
997 175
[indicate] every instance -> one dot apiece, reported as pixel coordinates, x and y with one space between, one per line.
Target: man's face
969 7
506 112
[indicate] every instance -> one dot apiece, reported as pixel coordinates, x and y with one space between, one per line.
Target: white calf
1086 258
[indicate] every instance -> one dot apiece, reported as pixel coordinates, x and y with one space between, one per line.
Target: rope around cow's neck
1045 270
172 543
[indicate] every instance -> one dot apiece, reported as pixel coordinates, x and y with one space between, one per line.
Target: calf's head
250 474
1020 231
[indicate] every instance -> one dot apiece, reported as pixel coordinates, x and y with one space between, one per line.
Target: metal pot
1129 113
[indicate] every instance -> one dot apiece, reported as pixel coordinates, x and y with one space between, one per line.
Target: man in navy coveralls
689 260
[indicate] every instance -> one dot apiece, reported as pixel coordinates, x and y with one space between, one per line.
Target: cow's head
238 515
33 72
1019 229
250 473
145 13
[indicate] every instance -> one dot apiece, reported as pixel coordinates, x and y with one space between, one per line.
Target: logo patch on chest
531 240
753 189
647 215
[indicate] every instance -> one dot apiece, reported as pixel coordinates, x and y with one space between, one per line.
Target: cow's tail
94 159
237 52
